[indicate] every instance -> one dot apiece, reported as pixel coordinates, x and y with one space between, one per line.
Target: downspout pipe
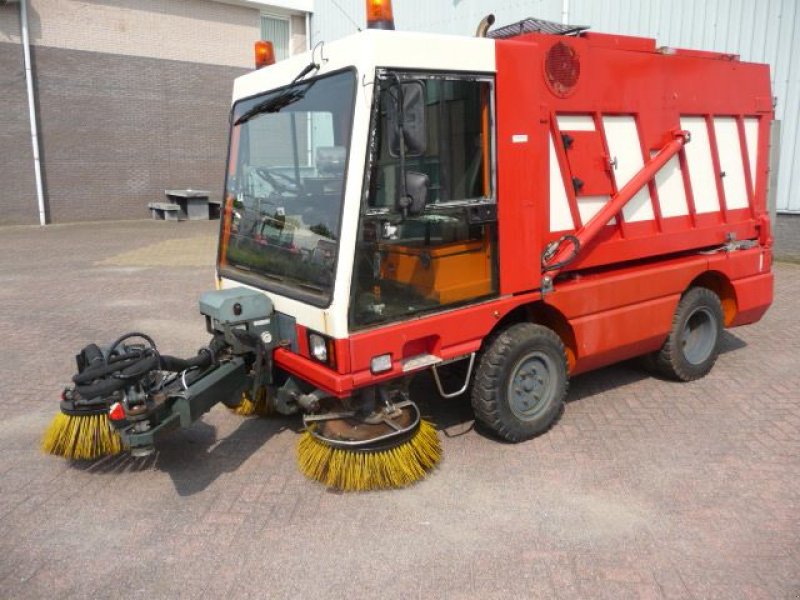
37 167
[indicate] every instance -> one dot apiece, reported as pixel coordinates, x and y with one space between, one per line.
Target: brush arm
145 393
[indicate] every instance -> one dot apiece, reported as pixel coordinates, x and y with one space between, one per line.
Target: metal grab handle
464 387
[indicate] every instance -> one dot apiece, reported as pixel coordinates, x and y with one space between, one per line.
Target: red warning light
379 14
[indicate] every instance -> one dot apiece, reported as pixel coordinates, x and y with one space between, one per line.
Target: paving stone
645 489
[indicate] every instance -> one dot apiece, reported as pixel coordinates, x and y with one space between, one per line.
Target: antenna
347 16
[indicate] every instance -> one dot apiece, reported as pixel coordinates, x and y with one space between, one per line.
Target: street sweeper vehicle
505 211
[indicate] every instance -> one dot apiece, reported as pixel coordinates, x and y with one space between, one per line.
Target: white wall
758 30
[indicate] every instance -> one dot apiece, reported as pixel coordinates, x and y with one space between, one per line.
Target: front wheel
692 346
521 382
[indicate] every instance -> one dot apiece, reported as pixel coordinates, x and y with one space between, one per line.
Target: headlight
318 347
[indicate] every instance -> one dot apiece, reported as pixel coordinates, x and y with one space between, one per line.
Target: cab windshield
285 187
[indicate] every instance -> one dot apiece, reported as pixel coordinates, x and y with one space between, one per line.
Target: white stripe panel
701 166
751 137
624 146
575 122
671 192
560 216
589 206
731 162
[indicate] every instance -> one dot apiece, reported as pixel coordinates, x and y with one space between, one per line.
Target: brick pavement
645 488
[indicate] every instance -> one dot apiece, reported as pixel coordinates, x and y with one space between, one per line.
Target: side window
458 152
443 255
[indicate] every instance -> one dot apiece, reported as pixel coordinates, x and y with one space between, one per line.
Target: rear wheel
521 382
692 347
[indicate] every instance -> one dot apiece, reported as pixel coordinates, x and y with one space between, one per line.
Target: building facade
132 98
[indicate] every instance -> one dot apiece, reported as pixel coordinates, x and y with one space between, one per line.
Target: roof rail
531 25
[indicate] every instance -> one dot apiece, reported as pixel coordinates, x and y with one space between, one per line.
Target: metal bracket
463 388
187 404
547 285
732 244
396 429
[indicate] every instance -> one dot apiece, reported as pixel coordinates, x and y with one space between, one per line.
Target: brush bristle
260 407
81 438
353 470
246 408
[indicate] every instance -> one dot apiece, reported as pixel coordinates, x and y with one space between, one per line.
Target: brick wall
133 98
117 130
17 184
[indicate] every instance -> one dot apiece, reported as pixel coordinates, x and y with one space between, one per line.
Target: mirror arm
404 200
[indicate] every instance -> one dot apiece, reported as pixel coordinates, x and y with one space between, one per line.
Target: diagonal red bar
589 232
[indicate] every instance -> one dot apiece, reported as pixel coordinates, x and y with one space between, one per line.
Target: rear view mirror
416 194
413 121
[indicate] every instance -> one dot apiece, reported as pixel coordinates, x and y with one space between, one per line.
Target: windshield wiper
272 105
282 100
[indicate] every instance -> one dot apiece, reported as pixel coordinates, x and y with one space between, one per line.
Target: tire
521 381
692 346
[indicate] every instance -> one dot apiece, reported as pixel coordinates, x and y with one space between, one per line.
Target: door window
445 253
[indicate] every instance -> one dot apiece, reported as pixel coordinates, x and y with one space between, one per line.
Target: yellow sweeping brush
81 437
362 470
260 407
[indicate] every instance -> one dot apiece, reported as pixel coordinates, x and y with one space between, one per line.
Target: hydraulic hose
102 377
171 363
115 364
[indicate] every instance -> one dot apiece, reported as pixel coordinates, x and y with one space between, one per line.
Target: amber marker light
379 14
265 54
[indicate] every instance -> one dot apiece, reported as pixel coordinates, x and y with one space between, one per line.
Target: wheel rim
699 336
531 385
